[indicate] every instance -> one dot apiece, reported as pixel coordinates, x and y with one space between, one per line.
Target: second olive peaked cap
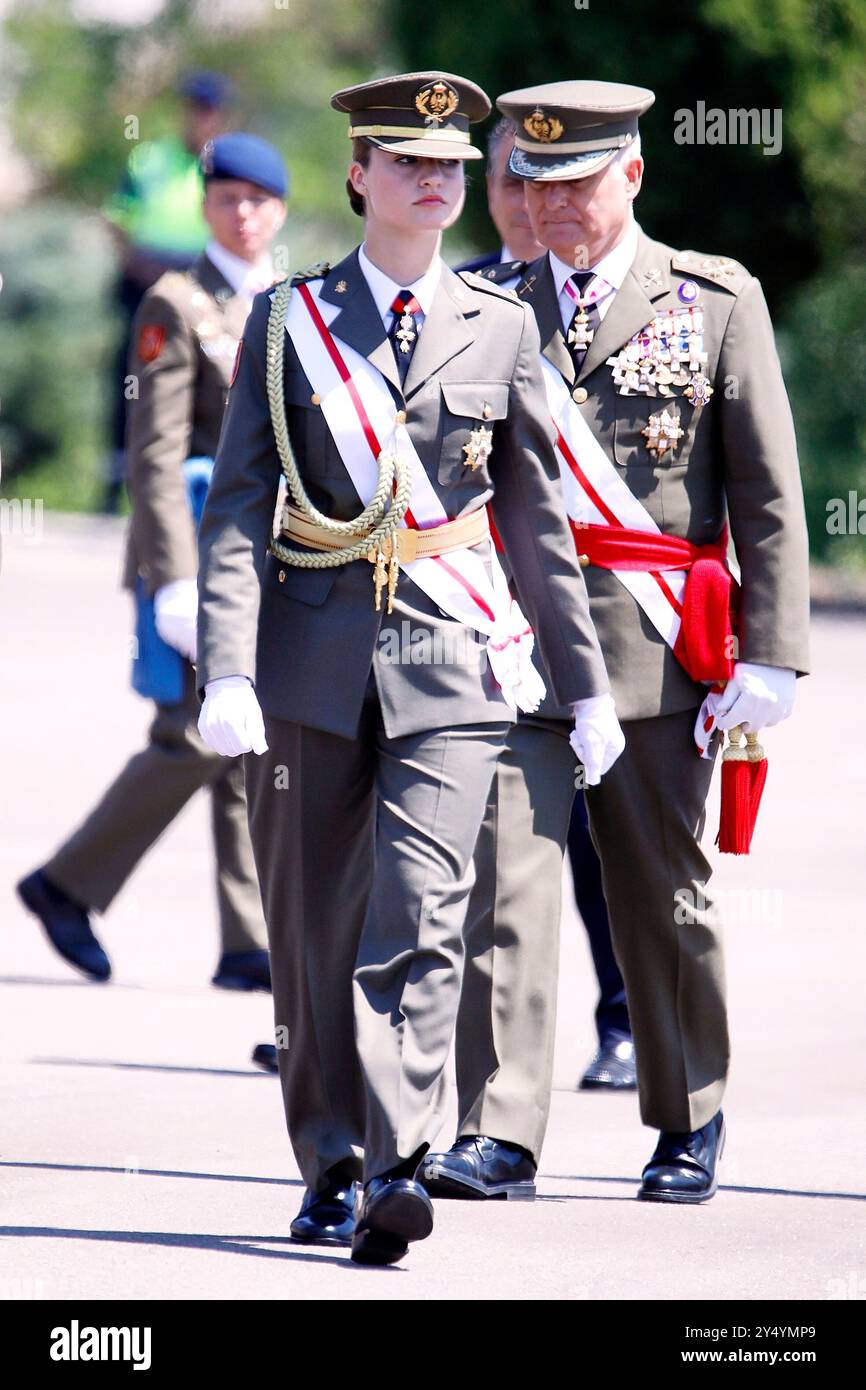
420 113
567 130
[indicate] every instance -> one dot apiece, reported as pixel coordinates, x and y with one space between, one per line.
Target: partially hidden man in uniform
185 341
672 425
482 1043
370 659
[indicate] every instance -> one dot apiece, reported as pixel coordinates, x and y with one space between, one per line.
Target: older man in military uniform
671 419
185 340
386 377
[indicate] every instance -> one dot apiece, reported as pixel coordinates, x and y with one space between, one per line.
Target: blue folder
157 669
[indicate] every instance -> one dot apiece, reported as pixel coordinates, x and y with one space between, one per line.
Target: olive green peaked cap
420 113
567 130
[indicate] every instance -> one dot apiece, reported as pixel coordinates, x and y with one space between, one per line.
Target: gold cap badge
543 128
437 102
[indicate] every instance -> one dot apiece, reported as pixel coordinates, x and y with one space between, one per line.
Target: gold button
579 394
400 417
282 576
583 561
316 398
487 411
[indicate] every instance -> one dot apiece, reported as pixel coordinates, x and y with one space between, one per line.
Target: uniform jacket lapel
537 288
444 334
632 307
233 309
359 322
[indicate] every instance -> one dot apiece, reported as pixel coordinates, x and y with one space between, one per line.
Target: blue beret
205 88
242 156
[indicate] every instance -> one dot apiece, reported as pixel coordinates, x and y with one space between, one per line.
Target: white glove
597 738
175 607
757 696
231 718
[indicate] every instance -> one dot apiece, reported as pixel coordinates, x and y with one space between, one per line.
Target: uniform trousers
646 819
95 862
364 852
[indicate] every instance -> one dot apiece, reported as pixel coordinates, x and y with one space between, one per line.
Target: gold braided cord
377 522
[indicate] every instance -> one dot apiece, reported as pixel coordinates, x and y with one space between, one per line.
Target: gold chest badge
663 431
479 448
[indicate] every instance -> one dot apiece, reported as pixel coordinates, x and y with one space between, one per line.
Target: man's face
243 217
580 220
506 198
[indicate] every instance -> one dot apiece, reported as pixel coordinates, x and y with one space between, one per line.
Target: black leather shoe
67 925
613 1067
265 1056
327 1217
243 970
393 1212
684 1166
478 1167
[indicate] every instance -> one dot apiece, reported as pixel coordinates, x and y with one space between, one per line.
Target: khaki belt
412 544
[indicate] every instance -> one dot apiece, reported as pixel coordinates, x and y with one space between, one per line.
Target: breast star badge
479 448
663 432
698 390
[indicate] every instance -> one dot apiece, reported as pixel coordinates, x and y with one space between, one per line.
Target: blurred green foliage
56 344
796 218
823 347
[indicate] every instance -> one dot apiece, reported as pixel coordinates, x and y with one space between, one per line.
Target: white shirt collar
245 277
385 290
613 268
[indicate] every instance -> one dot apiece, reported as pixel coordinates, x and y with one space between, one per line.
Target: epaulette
721 270
502 271
313 272
490 278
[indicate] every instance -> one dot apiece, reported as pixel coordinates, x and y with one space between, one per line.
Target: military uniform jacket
737 460
184 341
308 638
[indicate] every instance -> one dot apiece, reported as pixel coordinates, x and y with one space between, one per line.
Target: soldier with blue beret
184 344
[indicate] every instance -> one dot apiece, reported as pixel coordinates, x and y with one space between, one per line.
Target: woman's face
408 193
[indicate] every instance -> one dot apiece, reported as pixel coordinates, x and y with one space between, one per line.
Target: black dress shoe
393 1212
265 1056
243 970
327 1217
67 925
478 1167
684 1166
613 1067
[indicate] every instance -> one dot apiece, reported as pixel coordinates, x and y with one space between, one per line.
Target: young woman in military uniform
368 660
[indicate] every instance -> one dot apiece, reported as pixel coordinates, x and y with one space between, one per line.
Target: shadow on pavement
231 1245
151 1173
147 1066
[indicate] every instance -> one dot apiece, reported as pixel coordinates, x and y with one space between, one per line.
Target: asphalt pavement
143 1156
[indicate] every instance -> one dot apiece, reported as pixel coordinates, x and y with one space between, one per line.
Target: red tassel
744 775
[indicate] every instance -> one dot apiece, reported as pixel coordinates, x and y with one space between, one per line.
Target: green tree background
795 219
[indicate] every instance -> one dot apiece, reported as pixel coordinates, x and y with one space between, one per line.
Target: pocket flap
298 390
480 400
307 586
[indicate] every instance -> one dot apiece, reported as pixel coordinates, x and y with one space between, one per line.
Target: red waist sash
705 644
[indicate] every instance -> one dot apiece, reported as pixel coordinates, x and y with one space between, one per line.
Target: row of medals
669 352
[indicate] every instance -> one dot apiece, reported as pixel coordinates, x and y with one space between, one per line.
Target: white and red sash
360 413
595 494
687 597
